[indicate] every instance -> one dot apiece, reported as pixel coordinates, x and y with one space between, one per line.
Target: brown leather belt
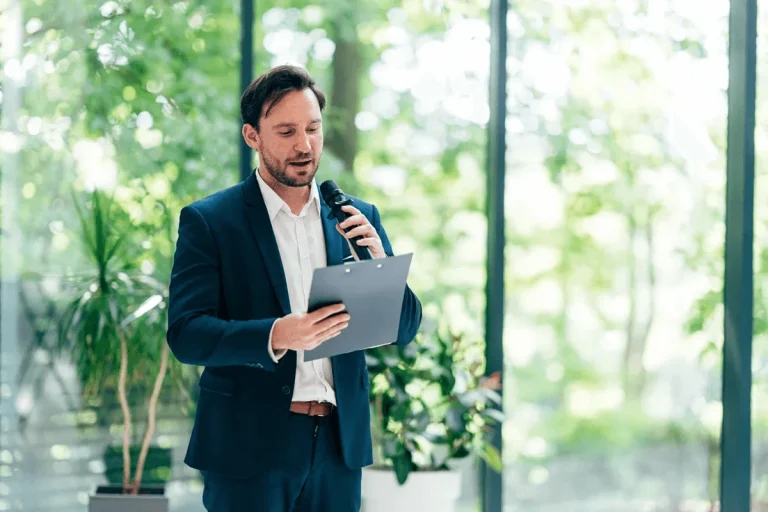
312 408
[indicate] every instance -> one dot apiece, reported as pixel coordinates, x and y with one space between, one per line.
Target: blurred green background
615 199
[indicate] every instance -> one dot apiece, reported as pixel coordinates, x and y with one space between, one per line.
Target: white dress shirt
301 243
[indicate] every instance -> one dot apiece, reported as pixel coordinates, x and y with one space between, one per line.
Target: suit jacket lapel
261 227
334 254
334 242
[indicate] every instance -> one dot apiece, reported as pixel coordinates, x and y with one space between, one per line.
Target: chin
305 177
301 179
293 177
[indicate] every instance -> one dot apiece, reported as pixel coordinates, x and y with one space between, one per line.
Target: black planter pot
110 498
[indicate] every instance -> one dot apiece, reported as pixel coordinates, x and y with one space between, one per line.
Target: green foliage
622 430
598 171
430 403
114 299
114 327
157 470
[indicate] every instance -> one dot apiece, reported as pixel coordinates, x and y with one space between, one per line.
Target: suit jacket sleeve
410 315
195 334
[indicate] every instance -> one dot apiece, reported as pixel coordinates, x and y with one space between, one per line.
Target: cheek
277 152
317 144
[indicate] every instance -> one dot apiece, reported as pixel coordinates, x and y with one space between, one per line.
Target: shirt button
286 390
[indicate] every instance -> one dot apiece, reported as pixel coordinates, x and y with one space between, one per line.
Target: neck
294 197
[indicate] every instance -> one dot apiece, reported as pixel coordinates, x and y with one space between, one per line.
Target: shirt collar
275 203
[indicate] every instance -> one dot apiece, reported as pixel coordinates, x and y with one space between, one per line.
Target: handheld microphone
335 199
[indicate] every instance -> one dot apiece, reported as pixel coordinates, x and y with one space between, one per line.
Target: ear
251 137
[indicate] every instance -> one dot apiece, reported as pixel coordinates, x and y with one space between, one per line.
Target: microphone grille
328 189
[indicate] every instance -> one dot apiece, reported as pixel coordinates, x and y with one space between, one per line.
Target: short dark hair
269 89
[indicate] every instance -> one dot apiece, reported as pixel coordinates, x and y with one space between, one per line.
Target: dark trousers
319 481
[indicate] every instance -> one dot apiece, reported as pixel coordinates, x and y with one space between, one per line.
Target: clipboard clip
348 269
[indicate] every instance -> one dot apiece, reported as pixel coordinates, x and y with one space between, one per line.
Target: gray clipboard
372 291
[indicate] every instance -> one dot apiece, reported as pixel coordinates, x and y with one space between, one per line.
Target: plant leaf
86 232
402 466
491 456
495 414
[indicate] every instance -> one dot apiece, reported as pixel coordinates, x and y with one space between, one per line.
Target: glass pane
140 99
760 343
100 96
616 186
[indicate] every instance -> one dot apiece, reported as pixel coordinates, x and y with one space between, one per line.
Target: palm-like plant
115 321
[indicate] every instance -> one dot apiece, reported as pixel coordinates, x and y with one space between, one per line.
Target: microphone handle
363 253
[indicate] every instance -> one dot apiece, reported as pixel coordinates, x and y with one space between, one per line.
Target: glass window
141 104
615 209
760 342
107 129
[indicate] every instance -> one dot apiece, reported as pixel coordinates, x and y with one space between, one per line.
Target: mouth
301 163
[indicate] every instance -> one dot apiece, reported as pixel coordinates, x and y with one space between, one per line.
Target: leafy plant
116 320
430 403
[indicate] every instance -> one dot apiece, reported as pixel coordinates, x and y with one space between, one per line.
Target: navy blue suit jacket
227 289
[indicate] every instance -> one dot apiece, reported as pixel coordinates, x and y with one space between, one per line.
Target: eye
286 134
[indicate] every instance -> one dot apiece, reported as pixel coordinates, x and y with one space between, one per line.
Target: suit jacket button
286 390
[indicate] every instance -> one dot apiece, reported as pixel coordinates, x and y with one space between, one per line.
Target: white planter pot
423 491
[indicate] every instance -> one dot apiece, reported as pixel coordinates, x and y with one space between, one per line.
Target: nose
302 144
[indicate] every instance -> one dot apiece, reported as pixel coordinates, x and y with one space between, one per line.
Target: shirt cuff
280 353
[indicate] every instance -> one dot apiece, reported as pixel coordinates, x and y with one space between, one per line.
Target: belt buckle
321 408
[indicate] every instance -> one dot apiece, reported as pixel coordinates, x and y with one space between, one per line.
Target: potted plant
114 328
430 406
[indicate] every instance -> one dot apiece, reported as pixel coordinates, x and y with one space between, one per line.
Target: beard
301 177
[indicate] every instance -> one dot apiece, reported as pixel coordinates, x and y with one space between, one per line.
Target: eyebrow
292 125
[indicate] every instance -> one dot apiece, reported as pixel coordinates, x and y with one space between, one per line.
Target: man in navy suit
274 433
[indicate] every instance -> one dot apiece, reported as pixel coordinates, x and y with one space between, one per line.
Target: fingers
332 323
326 335
351 209
365 231
354 220
326 311
328 329
373 243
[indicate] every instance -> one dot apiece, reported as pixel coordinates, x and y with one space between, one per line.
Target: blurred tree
348 73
